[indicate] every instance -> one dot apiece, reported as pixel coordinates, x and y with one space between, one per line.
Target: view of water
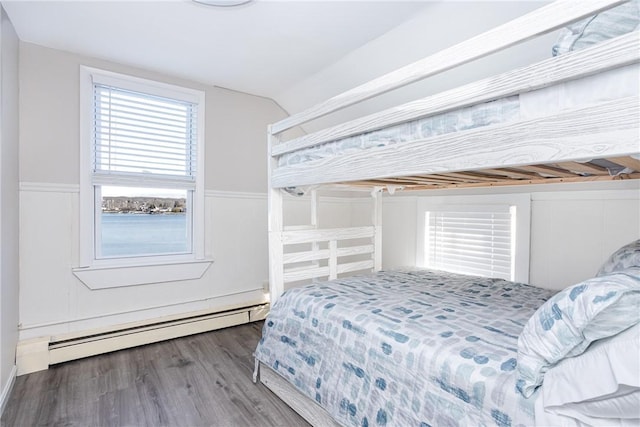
143 234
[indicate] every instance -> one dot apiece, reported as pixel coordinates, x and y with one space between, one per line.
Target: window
473 240
142 196
483 239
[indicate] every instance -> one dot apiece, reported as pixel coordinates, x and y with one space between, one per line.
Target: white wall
8 204
574 228
573 234
52 300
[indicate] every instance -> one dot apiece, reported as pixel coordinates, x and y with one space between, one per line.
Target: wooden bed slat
443 178
540 21
601 57
584 168
628 162
548 170
405 181
471 176
512 173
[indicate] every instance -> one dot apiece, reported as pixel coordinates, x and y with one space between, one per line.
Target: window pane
143 221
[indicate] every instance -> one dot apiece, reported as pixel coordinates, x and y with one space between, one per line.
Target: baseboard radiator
36 355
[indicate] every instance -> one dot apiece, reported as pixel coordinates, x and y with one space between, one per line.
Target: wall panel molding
588 195
49 187
235 194
221 194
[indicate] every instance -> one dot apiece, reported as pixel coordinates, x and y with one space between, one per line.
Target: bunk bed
426 348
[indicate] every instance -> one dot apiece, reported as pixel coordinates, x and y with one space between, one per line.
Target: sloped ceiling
296 52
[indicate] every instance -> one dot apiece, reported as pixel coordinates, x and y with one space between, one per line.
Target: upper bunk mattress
405 348
613 84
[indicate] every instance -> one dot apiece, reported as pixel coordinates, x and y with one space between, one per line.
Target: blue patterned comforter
405 348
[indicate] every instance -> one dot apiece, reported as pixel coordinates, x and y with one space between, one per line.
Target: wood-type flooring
200 380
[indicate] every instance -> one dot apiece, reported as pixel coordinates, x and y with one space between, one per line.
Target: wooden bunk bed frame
550 149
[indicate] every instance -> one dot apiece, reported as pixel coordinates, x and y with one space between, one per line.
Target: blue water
144 234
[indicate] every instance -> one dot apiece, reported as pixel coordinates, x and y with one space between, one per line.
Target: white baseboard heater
36 355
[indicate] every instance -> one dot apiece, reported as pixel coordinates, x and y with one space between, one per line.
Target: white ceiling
263 48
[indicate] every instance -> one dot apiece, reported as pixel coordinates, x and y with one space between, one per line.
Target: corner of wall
9 219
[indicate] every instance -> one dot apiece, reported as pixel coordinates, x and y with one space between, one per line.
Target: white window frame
113 272
522 203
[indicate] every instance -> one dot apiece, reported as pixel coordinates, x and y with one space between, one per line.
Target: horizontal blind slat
124 128
470 265
497 237
121 93
142 108
471 255
149 154
159 180
143 154
461 259
469 245
120 143
472 240
137 167
111 115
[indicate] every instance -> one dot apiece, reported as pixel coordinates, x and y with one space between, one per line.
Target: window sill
132 275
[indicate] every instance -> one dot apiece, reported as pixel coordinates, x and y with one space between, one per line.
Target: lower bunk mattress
405 348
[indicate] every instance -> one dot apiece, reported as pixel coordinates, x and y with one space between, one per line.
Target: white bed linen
545 418
613 84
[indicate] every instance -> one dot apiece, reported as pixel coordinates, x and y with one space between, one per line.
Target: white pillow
601 384
567 323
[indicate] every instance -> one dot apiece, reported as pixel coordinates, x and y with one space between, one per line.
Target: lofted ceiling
261 48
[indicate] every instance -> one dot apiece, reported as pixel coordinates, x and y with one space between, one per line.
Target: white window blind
471 240
138 136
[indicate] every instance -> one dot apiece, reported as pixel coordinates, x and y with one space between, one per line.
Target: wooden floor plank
201 380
